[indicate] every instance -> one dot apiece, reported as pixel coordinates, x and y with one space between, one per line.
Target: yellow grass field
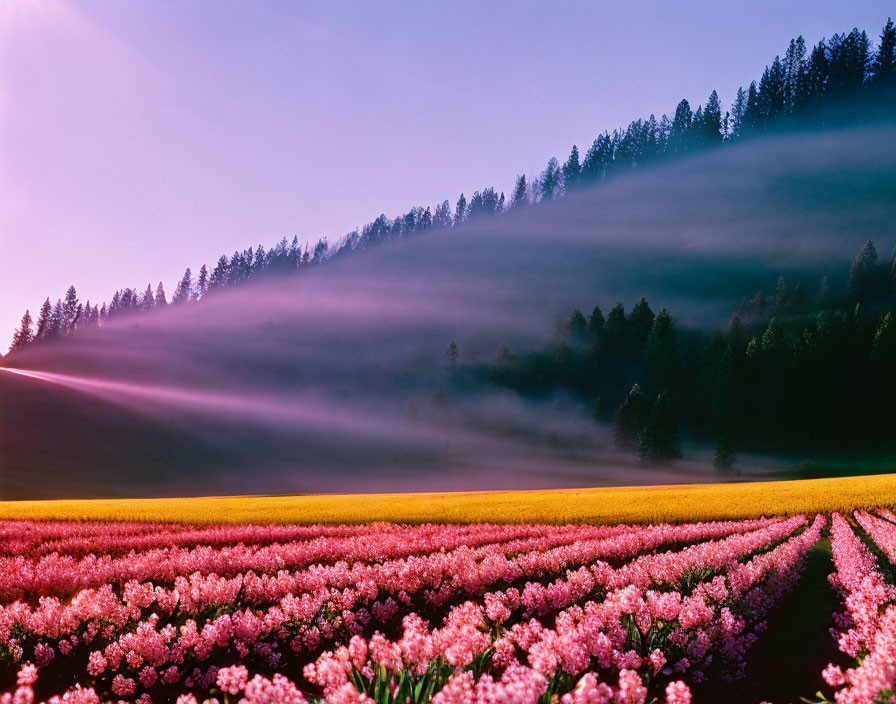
604 505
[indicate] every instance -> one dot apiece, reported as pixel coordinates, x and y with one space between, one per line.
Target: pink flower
123 686
27 675
232 679
96 664
678 693
148 677
631 690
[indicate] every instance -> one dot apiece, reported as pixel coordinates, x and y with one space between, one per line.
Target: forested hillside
847 79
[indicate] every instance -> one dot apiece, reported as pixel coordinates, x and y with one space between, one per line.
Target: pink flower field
449 614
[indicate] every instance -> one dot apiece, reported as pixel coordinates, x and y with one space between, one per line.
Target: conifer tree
57 320
220 272
69 311
572 169
549 181
23 336
659 440
660 353
794 73
460 211
440 218
884 67
44 320
520 195
752 115
596 322
680 134
738 113
630 419
816 77
161 300
640 320
617 330
184 289
202 282
148 300
576 324
864 274
711 122
781 295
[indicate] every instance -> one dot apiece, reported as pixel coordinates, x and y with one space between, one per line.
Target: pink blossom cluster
518 610
866 630
881 531
528 549
421 653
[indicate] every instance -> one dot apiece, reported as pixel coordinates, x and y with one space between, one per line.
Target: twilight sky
138 138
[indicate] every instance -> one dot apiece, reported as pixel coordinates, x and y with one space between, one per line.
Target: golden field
653 504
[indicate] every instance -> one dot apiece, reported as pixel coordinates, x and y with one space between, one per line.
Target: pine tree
596 322
23 336
44 320
640 321
884 345
864 274
660 353
69 311
572 170
771 92
184 289
148 300
57 320
576 324
597 159
794 73
460 212
711 123
520 195
617 330
222 268
884 67
818 70
441 217
161 300
738 113
752 114
659 439
630 420
202 282
781 295
549 181
680 134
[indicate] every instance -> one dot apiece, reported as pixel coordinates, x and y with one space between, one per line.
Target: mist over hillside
336 380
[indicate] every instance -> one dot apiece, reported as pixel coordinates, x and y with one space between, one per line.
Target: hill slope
330 380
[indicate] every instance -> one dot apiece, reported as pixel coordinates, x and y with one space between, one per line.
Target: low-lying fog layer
335 379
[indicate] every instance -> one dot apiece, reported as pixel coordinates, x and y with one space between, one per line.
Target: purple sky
140 138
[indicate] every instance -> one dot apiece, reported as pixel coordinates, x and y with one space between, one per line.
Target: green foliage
659 439
576 324
630 420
